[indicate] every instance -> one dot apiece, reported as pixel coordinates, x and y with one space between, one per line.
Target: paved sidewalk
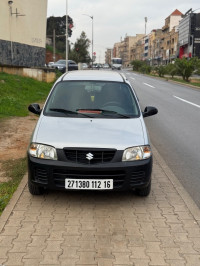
90 228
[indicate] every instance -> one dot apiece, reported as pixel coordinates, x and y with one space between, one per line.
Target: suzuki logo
89 156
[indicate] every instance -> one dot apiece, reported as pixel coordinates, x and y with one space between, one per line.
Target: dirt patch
15 134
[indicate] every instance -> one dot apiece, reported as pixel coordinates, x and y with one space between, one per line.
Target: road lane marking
133 78
135 74
196 105
149 85
128 73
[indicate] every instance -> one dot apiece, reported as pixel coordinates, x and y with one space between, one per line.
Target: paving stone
19 247
69 253
33 253
38 241
172 253
4 252
31 262
192 260
105 262
138 253
6 241
53 245
156 259
15 259
50 258
122 257
86 258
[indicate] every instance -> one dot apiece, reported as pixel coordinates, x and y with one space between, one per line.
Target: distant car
85 66
61 65
50 64
105 66
90 135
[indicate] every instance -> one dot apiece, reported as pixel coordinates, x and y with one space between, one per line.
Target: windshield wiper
105 112
68 112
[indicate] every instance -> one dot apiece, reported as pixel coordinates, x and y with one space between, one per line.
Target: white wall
174 21
29 29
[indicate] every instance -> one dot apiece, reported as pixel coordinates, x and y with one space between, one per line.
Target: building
189 35
23 32
137 51
108 56
169 40
124 48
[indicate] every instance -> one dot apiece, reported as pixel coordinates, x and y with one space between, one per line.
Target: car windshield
117 61
96 99
61 62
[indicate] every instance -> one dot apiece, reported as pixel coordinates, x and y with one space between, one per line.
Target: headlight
42 151
136 153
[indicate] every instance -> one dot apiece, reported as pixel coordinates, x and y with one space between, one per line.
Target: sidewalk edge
13 201
189 202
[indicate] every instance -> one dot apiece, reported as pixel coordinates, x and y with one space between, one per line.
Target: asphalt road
175 130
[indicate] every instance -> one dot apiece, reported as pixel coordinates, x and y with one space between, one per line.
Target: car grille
89 156
60 175
41 176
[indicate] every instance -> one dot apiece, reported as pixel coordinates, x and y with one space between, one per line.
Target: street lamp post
66 35
92 35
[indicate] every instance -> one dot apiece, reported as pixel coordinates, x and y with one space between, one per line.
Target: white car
90 135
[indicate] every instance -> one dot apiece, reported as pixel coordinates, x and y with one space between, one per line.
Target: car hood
63 132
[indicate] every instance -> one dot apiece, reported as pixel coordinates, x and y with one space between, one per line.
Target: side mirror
149 111
35 108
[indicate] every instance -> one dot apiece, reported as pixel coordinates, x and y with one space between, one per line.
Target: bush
145 69
137 64
185 67
161 70
171 69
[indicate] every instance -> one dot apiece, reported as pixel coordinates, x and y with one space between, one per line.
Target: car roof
93 75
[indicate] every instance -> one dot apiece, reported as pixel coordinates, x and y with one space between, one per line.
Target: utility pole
54 45
145 19
66 35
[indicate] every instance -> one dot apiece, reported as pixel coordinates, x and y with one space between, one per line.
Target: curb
191 205
13 201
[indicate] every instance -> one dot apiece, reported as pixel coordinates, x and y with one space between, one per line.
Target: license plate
89 184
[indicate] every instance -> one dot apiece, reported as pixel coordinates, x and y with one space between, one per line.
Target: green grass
17 92
197 84
14 170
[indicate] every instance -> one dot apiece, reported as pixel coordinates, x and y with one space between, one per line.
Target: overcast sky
113 19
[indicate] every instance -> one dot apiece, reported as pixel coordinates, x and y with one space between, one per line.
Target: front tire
34 189
144 192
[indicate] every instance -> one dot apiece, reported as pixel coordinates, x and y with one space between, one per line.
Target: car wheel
34 189
144 192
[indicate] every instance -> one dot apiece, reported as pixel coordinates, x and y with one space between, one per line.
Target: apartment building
124 48
189 35
108 56
23 32
169 41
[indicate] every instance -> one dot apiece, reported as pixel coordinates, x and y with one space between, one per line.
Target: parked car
90 135
85 65
50 64
106 66
61 65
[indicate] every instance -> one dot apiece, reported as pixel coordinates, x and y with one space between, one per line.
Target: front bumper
126 175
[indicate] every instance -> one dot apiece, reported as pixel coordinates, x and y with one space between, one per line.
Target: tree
137 64
171 69
185 67
161 70
59 25
80 53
